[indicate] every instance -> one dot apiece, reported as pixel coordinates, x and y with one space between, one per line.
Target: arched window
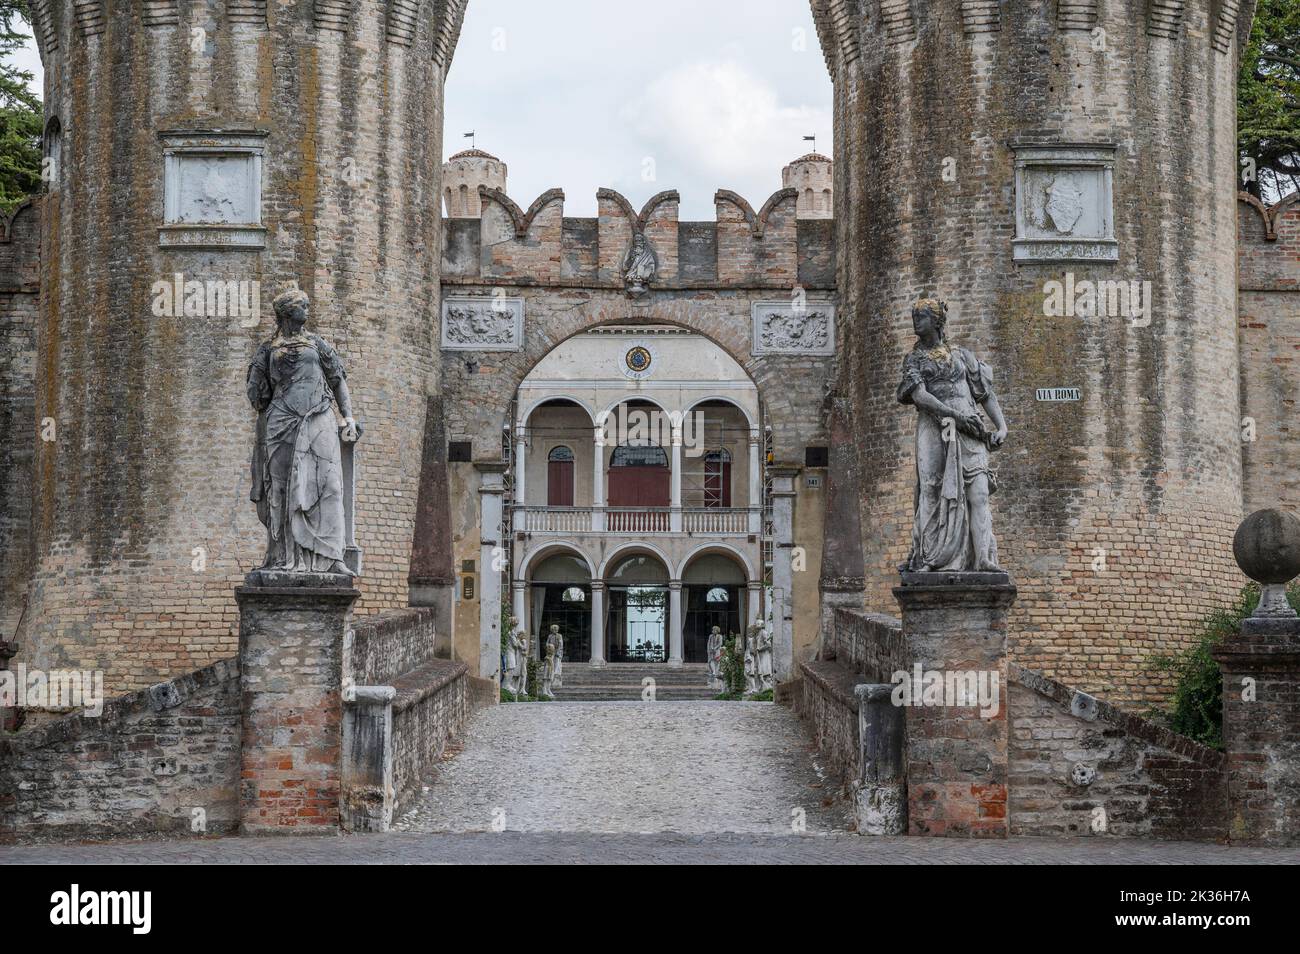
51 153
717 479
559 477
718 594
464 200
648 455
826 200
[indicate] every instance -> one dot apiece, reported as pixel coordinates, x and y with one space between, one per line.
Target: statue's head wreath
936 308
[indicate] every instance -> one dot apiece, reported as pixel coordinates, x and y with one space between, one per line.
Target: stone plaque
212 189
1064 203
482 324
782 327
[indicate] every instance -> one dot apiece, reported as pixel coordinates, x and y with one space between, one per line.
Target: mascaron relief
482 324
1065 203
781 327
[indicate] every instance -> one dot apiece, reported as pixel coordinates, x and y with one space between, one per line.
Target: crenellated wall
142 522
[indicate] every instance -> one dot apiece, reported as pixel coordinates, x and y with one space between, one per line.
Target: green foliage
765 696
1268 100
21 114
732 667
1196 708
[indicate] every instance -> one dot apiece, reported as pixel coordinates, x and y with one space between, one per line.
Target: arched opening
638 622
713 587
52 153
640 477
561 595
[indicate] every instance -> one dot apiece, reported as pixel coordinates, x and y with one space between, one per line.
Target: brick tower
203 144
462 174
813 175
984 151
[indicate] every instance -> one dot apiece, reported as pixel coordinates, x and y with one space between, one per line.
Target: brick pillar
1261 730
955 625
291 673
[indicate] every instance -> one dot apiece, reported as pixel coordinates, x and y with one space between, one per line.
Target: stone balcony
691 521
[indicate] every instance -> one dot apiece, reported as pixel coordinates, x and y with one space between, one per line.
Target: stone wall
928 103
1078 766
1268 328
149 478
164 760
19 429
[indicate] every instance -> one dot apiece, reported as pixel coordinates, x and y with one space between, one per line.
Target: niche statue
952 529
294 382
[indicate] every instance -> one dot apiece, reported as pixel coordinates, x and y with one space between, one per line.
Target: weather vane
813 140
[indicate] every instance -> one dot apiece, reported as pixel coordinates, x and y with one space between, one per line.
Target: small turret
462 174
813 176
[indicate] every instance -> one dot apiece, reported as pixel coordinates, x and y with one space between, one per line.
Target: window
718 594
51 153
574 594
646 456
717 479
559 477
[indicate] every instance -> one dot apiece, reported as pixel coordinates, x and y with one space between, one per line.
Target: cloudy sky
693 95
699 94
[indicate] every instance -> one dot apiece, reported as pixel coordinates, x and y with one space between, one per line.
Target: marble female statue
953 529
294 382
751 663
555 640
715 659
548 674
514 677
763 658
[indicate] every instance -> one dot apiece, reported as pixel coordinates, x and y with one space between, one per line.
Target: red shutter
559 483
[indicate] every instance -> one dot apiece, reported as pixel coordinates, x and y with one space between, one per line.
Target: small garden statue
548 674
762 640
953 529
751 664
555 640
514 679
715 650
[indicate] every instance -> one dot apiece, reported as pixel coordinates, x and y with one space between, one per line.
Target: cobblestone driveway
632 767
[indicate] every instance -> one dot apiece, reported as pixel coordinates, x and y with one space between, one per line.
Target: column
755 481
597 622
517 608
598 481
753 601
521 470
291 676
956 624
675 517
783 494
675 623
491 491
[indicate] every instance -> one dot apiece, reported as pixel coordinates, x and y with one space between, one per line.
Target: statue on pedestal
715 660
555 640
762 641
294 382
514 678
640 265
953 529
751 664
548 673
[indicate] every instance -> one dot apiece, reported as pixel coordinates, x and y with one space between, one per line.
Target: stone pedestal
880 797
291 670
1261 730
367 799
955 625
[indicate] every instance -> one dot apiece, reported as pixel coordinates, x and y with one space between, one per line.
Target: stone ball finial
1267 546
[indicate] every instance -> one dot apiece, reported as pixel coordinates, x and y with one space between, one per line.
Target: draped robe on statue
943 535
297 460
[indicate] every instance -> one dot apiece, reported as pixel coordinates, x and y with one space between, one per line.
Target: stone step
632 694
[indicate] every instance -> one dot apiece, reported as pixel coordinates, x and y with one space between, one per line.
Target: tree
21 114
1268 101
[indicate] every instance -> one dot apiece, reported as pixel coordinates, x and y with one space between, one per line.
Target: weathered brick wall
826 702
868 644
19 429
431 709
1082 767
386 645
161 760
1268 322
1145 468
154 428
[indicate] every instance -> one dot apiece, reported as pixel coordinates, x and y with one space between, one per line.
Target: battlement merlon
772 247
